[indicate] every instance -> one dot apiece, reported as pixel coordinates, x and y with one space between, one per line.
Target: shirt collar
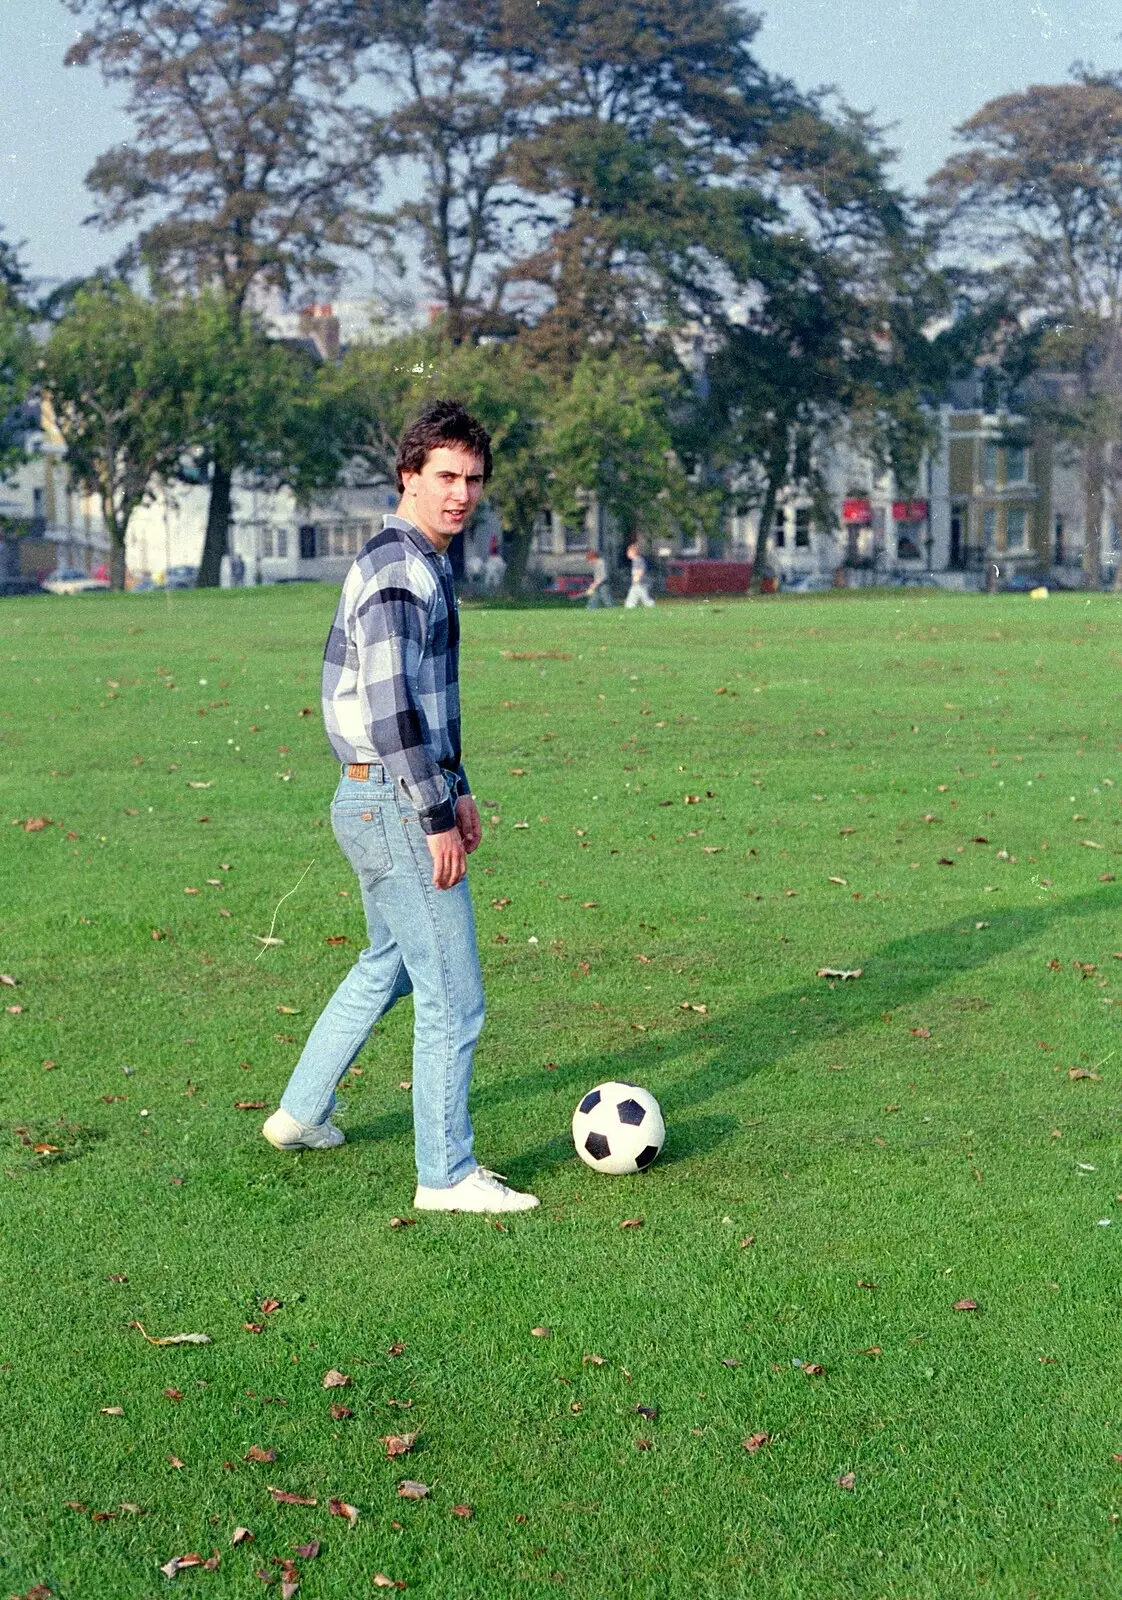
391 520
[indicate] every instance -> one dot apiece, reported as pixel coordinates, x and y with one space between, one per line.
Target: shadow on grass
745 1041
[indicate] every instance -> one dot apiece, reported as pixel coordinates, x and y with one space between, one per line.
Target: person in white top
638 594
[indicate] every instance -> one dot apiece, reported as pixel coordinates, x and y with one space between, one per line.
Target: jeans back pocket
360 832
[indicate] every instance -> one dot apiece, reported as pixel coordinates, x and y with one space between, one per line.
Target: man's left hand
467 820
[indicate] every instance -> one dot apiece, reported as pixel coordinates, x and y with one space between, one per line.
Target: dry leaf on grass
269 1305
341 1413
382 1582
846 1481
593 1361
112 1411
632 1222
464 1511
335 1379
965 1305
284 1497
170 1568
340 1508
397 1348
756 1441
174 1461
173 1338
256 1453
542 1333
1084 1072
839 972
398 1444
173 1394
410 1489
308 1552
242 1536
249 1105
403 1222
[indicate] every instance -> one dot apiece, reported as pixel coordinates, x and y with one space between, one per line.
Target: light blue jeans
422 942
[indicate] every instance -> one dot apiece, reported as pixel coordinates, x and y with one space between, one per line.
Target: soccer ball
618 1128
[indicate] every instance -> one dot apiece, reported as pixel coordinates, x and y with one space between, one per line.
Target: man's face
442 496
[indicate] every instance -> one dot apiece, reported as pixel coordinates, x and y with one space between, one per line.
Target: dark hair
442 422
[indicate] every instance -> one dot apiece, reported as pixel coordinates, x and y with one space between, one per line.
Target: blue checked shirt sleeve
392 625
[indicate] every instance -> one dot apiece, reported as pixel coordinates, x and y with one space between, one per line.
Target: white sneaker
479 1191
285 1133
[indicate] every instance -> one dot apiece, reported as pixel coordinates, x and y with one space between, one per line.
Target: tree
113 394
378 388
16 358
248 399
244 169
1038 194
609 436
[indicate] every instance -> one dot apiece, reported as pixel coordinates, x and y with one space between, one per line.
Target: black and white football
618 1128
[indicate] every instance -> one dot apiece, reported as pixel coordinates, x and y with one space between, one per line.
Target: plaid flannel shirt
391 689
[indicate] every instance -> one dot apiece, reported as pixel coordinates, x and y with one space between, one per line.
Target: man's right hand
449 860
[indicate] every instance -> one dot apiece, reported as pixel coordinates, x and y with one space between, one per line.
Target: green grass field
924 788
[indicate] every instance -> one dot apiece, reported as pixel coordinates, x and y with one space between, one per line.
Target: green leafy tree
378 388
609 437
1037 192
248 399
114 396
16 357
245 165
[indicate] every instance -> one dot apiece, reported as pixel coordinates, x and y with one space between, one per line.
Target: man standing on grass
405 820
599 591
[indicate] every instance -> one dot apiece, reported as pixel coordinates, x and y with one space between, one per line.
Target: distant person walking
599 591
494 570
638 594
405 820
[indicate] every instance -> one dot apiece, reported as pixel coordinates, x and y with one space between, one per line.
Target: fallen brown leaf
410 1489
256 1453
308 1552
846 1481
249 1105
173 1338
814 1369
337 938
839 972
642 1444
756 1441
112 1411
170 1568
382 1582
269 1305
242 1536
397 1348
340 1413
965 1305
173 1394
632 1222
284 1497
1084 1072
398 1444
871 1350
335 1379
340 1508
593 1361
403 1222
464 1511
174 1461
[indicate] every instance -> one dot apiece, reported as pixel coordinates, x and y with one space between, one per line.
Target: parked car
71 580
181 577
570 584
14 586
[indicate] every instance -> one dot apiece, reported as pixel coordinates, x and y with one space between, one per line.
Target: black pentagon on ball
645 1157
631 1112
590 1101
599 1148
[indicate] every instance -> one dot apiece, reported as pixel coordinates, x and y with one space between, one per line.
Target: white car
69 580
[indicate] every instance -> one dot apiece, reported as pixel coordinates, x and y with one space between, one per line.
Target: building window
1058 540
282 544
989 528
907 544
1016 463
802 528
268 546
1015 528
989 464
308 541
780 535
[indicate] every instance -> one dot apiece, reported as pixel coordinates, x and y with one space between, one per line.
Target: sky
920 66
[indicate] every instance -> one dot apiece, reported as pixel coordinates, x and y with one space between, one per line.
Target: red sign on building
909 511
857 511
